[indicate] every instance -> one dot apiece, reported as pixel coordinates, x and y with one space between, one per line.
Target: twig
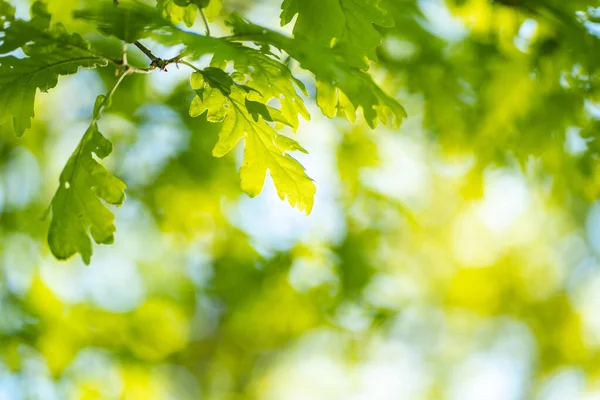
155 62
146 51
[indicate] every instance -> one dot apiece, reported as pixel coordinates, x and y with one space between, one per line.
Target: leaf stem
205 22
107 99
190 65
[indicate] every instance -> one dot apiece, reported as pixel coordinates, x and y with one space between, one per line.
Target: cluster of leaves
252 102
508 96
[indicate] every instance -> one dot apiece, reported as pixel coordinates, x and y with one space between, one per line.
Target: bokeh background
454 258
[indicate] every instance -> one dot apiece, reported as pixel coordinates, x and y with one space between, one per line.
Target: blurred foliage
453 258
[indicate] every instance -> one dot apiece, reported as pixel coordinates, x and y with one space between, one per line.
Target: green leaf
347 26
130 21
50 52
264 149
77 209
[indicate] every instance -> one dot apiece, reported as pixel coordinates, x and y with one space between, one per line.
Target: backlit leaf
264 149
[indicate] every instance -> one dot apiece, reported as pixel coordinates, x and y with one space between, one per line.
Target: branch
156 62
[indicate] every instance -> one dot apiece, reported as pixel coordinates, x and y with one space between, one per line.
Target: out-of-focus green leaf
7 13
346 26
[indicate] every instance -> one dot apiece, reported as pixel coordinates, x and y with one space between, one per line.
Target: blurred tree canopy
445 152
